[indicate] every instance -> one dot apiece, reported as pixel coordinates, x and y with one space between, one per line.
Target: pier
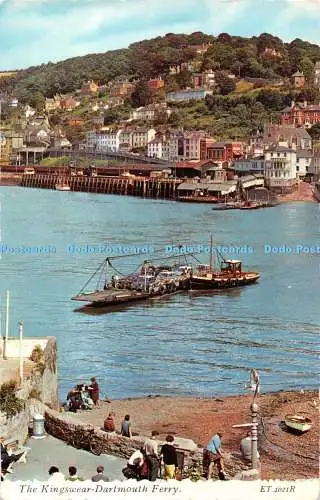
139 186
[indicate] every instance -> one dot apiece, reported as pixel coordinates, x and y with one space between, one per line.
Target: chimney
292 104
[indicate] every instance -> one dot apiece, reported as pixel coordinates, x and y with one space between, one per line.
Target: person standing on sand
94 391
151 451
213 456
170 458
126 427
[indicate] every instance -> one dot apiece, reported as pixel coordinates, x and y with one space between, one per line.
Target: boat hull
198 283
62 188
298 423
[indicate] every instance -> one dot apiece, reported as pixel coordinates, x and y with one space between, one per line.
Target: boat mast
210 268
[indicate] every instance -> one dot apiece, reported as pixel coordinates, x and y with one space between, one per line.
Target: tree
314 131
307 67
225 84
309 94
142 95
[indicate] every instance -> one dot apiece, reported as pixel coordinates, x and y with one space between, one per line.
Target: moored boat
62 187
228 274
299 423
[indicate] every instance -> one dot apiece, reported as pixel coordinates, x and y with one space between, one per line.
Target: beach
283 455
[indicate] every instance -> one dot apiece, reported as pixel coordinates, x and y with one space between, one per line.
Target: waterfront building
301 114
304 160
105 139
225 152
125 140
281 168
296 137
314 168
141 137
172 147
155 147
249 166
188 95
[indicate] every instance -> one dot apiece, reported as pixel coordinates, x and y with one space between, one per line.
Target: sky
33 32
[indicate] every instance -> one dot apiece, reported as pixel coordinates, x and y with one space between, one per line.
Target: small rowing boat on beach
299 423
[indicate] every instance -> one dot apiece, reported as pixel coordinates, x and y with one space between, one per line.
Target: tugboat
229 275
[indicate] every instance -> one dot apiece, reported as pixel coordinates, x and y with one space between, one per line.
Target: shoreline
283 455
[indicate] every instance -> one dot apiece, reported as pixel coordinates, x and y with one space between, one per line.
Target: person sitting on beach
94 391
73 476
55 476
109 425
126 427
170 458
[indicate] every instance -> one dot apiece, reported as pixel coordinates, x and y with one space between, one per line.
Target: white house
280 168
304 160
125 140
141 137
105 139
155 148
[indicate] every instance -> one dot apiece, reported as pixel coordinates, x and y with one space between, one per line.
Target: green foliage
141 96
225 84
37 354
314 131
9 403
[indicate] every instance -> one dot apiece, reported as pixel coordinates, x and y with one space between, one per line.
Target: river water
190 344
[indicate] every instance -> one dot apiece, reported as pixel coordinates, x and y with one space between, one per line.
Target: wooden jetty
138 186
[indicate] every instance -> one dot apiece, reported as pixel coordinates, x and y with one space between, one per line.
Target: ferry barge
148 282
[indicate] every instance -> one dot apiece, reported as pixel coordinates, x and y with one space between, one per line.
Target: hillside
265 56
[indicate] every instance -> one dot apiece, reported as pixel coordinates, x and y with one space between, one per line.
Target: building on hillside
298 79
200 49
149 112
204 80
125 140
281 168
112 102
192 145
317 74
225 152
315 162
155 147
141 137
172 148
205 143
301 114
52 104
296 137
304 160
188 95
69 104
62 143
122 88
155 84
13 103
75 122
89 88
249 166
105 139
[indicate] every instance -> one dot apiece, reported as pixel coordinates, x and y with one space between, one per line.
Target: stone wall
85 436
38 390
